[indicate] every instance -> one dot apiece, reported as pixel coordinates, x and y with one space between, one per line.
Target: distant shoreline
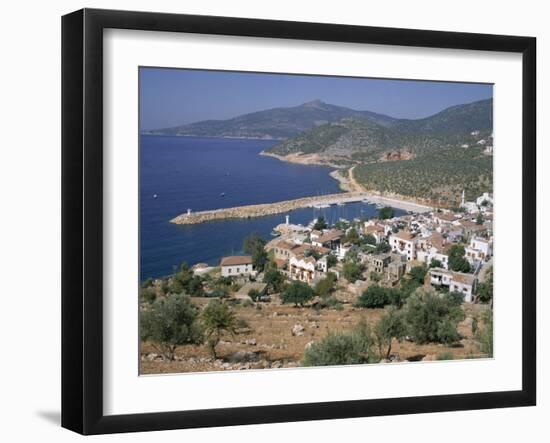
212 136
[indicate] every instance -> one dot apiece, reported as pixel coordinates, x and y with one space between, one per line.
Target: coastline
211 136
352 191
350 184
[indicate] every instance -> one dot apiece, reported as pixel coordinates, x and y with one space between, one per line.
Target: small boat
155 195
222 194
341 204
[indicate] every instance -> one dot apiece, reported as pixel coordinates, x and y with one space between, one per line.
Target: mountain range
432 158
283 123
366 139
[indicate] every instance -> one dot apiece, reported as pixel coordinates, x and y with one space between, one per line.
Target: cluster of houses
304 253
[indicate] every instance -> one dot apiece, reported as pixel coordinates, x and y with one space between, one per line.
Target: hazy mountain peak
315 103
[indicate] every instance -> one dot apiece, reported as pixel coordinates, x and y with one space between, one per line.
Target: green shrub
370 239
383 247
352 271
432 318
246 303
375 276
274 280
418 273
484 290
217 319
298 293
326 286
445 356
456 298
391 325
170 322
253 294
331 260
385 213
457 262
147 295
254 245
486 333
147 283
342 348
374 296
329 303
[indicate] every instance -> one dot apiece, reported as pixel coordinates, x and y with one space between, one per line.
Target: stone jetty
261 210
250 211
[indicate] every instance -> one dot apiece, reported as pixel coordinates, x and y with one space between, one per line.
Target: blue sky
170 97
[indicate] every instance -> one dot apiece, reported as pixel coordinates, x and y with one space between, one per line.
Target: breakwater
260 210
250 211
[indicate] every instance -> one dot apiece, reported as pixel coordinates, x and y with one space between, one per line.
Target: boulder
298 330
243 357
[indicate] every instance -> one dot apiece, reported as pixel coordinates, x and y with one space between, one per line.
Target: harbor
323 201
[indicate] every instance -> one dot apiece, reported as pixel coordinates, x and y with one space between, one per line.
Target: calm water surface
189 172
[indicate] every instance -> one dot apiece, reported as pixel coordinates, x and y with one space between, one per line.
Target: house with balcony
404 243
454 282
303 269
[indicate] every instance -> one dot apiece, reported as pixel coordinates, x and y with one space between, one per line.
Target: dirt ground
269 341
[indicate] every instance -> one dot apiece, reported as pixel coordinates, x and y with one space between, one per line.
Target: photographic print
295 221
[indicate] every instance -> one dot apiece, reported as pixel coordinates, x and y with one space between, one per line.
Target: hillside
277 123
456 119
433 158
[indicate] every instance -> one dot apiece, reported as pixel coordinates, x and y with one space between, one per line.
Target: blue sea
210 173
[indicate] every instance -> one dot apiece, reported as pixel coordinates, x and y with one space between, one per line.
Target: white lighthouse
463 202
287 220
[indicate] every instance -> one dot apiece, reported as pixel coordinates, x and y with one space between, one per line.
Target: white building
329 239
454 281
303 268
404 243
237 265
342 250
376 230
479 249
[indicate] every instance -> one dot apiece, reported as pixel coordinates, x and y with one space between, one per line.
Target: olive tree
217 319
433 318
170 322
342 348
298 293
391 325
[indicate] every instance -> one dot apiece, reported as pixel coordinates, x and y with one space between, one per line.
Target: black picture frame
82 218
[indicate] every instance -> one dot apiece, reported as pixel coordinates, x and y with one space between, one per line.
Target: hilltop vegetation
438 176
456 119
434 158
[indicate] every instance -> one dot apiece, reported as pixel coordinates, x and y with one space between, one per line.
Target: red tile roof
236 260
